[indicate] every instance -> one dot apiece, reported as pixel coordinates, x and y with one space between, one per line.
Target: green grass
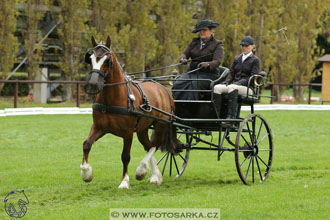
42 154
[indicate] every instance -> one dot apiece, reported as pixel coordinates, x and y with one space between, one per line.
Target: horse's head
100 59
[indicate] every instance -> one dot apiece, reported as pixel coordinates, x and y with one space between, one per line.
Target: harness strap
125 111
116 110
131 97
145 106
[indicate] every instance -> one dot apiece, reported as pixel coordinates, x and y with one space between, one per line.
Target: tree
73 16
9 44
272 45
305 37
107 18
32 14
173 19
137 35
323 38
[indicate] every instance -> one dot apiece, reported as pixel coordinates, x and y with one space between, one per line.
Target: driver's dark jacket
240 72
212 52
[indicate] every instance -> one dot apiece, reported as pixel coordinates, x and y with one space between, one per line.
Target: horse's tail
170 143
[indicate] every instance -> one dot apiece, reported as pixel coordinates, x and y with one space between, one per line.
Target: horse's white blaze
97 65
86 172
156 177
125 183
143 168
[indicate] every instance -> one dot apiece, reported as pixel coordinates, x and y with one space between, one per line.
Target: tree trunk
298 91
68 92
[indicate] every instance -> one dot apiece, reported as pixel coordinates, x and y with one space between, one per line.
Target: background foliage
149 33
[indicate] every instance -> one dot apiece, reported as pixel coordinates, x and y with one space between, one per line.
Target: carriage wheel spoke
165 163
182 158
171 164
247 173
254 121
252 169
248 127
245 150
262 161
245 140
264 150
176 165
262 123
259 169
263 139
160 160
245 160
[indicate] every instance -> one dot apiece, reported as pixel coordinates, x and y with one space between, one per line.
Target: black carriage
253 142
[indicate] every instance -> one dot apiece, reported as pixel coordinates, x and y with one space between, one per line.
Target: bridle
102 75
106 51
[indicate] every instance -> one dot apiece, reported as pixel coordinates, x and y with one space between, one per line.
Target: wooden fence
78 83
17 82
310 85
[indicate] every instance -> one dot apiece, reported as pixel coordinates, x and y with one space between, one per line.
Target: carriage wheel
176 161
253 149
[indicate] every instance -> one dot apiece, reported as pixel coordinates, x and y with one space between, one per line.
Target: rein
115 84
160 68
165 67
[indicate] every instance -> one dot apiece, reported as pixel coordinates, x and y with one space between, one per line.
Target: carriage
124 106
252 144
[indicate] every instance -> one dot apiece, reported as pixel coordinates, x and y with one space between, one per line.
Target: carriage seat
254 84
194 108
205 107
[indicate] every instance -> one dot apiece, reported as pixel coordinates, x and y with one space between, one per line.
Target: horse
123 106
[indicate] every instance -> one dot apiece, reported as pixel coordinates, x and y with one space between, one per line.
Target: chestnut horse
122 107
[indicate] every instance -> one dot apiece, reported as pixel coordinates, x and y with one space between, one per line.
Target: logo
15 204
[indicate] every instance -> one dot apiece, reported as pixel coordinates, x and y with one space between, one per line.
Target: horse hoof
124 186
86 172
124 183
156 180
140 177
141 171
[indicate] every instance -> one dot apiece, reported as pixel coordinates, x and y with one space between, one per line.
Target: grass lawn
42 154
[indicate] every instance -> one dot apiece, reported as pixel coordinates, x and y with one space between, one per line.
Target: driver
205 52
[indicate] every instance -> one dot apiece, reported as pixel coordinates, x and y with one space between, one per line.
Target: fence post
16 95
309 93
78 95
272 93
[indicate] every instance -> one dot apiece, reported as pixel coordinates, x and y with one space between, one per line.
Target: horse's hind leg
156 140
86 169
143 167
150 147
156 177
125 158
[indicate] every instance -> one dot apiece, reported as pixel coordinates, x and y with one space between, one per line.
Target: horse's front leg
86 169
125 158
